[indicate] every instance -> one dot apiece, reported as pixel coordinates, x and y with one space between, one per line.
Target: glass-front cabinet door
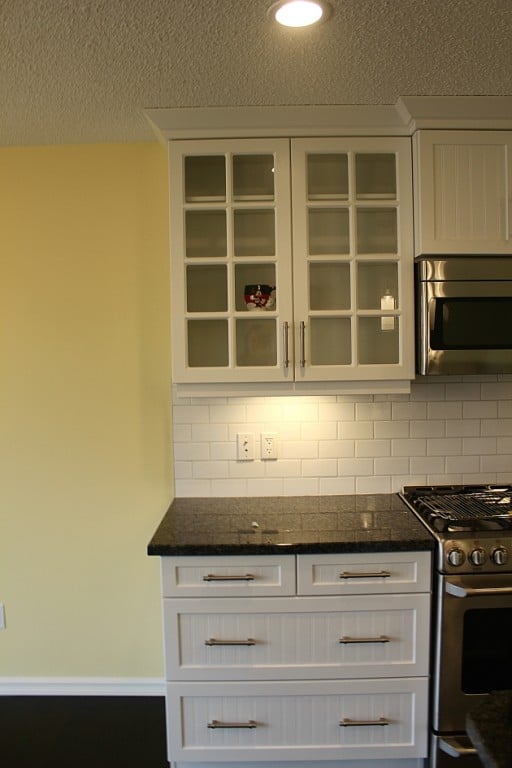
352 258
297 273
231 260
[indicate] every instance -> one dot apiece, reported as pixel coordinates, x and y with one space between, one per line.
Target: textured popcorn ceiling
84 70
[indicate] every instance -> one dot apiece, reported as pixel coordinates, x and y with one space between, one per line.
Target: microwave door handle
457 590
455 748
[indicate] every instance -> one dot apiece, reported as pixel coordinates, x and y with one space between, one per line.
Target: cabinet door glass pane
376 230
329 286
378 341
253 177
330 341
256 342
377 285
327 177
328 231
207 289
254 233
205 234
375 176
205 178
207 343
254 274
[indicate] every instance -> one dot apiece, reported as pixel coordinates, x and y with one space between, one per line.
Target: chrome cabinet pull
286 346
302 327
368 575
214 641
349 640
220 724
220 577
347 722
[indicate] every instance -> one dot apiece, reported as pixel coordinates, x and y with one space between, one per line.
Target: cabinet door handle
302 335
347 722
350 640
367 575
214 641
286 345
220 577
220 724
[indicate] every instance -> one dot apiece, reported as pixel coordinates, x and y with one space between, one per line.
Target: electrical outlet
268 445
245 446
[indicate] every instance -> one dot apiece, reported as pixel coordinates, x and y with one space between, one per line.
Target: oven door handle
455 748
458 590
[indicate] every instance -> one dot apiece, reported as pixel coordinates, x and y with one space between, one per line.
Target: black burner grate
466 506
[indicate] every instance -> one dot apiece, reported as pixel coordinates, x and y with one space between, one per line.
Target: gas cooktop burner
462 508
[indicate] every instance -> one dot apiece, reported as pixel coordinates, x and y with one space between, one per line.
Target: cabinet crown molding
409 114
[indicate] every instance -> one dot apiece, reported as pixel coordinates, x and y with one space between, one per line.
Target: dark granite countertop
288 525
489 726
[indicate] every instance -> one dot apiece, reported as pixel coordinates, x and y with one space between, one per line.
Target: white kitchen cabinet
325 238
317 676
462 195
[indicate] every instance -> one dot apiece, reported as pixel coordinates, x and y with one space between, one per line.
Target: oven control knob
500 556
455 557
477 556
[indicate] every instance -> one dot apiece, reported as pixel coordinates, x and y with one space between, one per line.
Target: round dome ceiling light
299 13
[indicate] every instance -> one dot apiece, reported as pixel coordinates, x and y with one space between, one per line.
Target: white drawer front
262 721
228 576
351 574
301 637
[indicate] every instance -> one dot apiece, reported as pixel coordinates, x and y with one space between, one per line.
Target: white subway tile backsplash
373 448
463 464
409 410
478 445
440 410
434 428
391 429
451 430
409 447
319 467
444 446
357 430
462 428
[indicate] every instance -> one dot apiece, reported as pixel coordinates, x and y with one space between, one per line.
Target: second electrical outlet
268 445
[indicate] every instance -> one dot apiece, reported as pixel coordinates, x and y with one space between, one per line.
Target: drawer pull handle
348 640
214 641
367 575
220 577
220 724
346 722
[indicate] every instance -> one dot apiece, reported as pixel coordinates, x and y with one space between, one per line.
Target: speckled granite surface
288 524
489 726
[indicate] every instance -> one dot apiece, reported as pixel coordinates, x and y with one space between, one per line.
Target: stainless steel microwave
463 315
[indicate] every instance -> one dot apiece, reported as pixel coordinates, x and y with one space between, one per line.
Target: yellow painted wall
85 451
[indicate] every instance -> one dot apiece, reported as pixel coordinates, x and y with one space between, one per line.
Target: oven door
472 645
463 327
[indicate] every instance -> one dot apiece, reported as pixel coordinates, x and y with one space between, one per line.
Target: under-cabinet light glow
299 13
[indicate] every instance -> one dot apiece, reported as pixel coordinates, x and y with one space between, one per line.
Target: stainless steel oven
472 622
463 315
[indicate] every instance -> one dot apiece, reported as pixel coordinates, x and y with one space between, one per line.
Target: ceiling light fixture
299 13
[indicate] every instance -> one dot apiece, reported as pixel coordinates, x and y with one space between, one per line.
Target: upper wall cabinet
463 183
292 260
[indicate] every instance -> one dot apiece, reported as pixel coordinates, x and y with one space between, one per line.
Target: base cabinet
331 674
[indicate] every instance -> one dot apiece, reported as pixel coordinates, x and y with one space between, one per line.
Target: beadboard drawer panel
228 576
302 637
358 574
265 721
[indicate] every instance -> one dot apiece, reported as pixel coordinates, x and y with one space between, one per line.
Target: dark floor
82 732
